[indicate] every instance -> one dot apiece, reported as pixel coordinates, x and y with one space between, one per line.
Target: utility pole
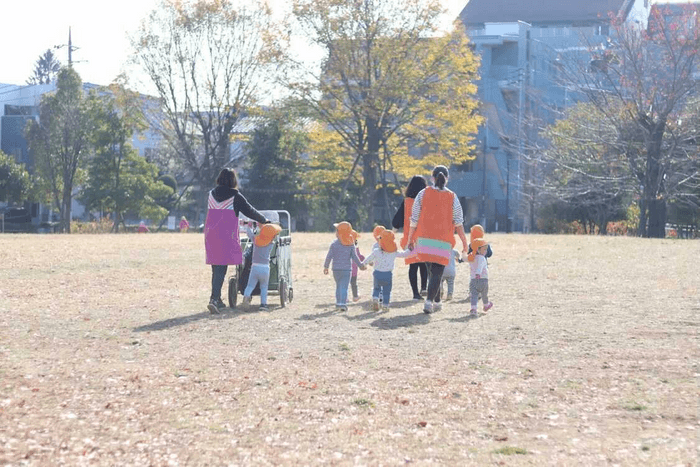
482 207
70 46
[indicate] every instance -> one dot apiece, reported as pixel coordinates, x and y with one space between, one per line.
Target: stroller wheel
283 292
232 291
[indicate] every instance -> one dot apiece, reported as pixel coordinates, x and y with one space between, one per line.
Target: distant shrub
103 225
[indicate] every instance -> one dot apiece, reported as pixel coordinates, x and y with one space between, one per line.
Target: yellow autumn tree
399 95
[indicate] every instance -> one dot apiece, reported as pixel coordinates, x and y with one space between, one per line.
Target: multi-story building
522 45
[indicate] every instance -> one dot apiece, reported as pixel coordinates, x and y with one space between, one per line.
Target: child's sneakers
342 308
355 299
375 304
488 306
473 313
449 297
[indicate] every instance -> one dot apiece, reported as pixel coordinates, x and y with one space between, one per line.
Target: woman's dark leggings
218 274
413 277
435 271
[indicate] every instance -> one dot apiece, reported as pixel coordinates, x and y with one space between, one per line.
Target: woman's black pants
435 271
218 274
413 277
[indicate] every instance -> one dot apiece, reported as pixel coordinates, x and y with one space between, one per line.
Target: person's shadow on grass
404 321
182 320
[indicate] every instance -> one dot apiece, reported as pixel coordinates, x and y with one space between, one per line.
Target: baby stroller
280 262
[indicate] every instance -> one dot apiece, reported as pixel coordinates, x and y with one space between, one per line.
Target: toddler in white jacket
383 260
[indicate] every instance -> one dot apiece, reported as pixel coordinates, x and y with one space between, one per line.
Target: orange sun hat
267 233
477 231
345 233
387 241
377 232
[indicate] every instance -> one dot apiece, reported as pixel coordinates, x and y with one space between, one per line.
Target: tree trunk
369 172
657 218
642 229
656 202
66 211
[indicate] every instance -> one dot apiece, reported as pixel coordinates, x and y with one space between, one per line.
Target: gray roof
540 11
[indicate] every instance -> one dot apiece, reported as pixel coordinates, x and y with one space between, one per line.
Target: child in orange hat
479 275
383 260
342 254
260 268
476 232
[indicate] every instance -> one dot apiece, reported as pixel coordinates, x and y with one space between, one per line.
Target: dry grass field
108 356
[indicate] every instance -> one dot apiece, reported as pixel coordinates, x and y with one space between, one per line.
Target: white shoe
428 307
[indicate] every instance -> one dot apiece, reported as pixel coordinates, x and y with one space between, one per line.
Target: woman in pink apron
221 240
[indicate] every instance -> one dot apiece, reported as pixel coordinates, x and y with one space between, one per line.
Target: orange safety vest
407 208
435 236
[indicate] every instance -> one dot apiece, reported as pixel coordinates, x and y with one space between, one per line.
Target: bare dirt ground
108 356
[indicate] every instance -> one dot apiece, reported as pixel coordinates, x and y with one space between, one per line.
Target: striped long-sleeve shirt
457 214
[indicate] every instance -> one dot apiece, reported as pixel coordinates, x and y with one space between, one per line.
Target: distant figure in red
184 225
143 228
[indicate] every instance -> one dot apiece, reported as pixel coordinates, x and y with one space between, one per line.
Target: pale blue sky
100 32
99 29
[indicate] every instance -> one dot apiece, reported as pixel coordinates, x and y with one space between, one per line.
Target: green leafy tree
60 141
207 61
46 69
15 182
118 179
400 96
275 166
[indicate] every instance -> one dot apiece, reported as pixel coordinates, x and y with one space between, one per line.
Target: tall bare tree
398 93
208 61
641 84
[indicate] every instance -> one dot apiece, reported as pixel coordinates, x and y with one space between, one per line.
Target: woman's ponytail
440 174
440 180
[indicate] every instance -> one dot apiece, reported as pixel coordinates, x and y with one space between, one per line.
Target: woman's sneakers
488 306
428 307
215 306
264 307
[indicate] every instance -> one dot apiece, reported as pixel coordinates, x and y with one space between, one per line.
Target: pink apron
221 233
